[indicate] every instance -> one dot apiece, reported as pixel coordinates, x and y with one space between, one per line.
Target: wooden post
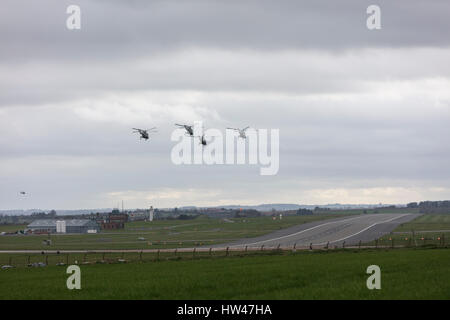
343 244
278 248
67 259
103 256
328 243
210 251
10 261
245 248
29 259
227 250
295 244
262 247
157 255
176 250
392 243
376 244
310 246
46 259
140 256
359 245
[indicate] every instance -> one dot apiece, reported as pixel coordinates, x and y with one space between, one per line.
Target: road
353 229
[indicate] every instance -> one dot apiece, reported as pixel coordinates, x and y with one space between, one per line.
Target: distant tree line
431 206
304 212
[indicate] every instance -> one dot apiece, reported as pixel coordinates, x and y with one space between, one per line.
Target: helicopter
145 133
22 193
189 129
202 140
241 132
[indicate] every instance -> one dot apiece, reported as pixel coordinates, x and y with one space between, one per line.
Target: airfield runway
352 229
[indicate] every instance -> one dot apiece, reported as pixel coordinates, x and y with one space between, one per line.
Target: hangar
64 226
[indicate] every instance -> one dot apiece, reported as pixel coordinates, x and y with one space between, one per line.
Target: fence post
227 250
262 247
67 259
278 248
176 251
328 243
157 255
295 245
392 243
245 248
376 244
193 253
310 246
343 244
210 251
359 245
10 261
29 259
140 256
443 240
46 259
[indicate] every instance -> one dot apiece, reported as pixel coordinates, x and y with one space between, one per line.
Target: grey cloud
114 29
359 112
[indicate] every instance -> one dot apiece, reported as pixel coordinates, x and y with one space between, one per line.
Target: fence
62 257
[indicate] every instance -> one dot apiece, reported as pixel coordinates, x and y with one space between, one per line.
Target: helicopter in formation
189 129
241 132
202 140
145 134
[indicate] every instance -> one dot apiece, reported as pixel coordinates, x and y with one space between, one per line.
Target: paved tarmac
351 229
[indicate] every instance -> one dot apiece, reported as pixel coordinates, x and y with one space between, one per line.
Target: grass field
428 229
161 234
11 227
427 222
425 229
405 274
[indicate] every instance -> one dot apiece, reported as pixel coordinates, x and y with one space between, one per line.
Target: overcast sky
363 114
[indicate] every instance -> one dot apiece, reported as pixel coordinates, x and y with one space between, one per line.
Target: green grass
161 234
427 222
405 274
11 227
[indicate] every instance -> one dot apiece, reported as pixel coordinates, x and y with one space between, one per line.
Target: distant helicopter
241 132
23 193
189 129
145 133
202 140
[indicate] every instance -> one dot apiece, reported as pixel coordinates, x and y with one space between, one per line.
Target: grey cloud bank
363 115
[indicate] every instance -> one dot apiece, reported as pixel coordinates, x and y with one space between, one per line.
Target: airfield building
64 226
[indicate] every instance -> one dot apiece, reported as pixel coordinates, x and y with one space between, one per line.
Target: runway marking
389 220
320 225
293 234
